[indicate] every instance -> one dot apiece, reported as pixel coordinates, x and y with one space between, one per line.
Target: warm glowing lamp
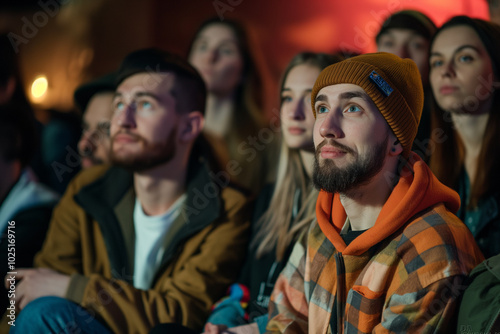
39 87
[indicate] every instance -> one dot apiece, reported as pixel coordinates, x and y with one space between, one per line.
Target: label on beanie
381 83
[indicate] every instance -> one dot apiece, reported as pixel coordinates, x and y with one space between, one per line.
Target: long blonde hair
277 227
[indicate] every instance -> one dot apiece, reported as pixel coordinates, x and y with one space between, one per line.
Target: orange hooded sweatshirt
401 275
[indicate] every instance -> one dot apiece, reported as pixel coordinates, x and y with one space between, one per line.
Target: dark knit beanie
409 19
392 83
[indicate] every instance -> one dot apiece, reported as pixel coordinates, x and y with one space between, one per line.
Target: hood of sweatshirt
415 191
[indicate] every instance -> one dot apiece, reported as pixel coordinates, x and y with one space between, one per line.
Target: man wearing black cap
94 99
155 239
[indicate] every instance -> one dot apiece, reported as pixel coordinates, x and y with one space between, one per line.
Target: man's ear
193 125
395 148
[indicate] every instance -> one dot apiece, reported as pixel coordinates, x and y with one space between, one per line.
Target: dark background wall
71 41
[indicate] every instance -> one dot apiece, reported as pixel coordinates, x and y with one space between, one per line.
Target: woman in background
282 211
464 71
408 34
234 118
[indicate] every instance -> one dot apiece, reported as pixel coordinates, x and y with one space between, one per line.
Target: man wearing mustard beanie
387 253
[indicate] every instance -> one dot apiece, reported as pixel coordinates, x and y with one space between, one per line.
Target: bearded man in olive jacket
155 239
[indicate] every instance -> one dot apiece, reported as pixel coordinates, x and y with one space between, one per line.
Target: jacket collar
110 201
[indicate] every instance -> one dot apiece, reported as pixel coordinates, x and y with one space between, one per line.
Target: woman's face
216 55
406 43
297 119
461 72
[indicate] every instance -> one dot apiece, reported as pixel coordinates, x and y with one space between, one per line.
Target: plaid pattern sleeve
288 309
406 284
436 253
427 311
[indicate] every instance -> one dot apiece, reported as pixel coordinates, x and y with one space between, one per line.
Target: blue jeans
56 315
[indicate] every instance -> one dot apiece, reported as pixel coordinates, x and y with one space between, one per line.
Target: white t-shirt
150 232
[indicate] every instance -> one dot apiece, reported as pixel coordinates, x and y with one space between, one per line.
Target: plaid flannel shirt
405 282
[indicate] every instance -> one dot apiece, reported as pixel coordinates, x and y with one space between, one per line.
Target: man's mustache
334 143
128 133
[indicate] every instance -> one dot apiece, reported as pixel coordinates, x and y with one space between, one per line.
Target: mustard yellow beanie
392 83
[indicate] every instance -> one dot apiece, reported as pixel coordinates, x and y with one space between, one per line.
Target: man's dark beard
333 179
153 154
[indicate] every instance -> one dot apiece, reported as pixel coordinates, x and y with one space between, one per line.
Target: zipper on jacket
341 298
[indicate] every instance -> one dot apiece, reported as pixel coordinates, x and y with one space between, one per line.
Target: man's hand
222 329
35 283
214 329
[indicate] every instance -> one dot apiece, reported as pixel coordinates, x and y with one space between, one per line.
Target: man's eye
353 109
144 105
119 106
322 110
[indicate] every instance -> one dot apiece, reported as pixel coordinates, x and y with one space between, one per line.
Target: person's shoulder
437 238
436 223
